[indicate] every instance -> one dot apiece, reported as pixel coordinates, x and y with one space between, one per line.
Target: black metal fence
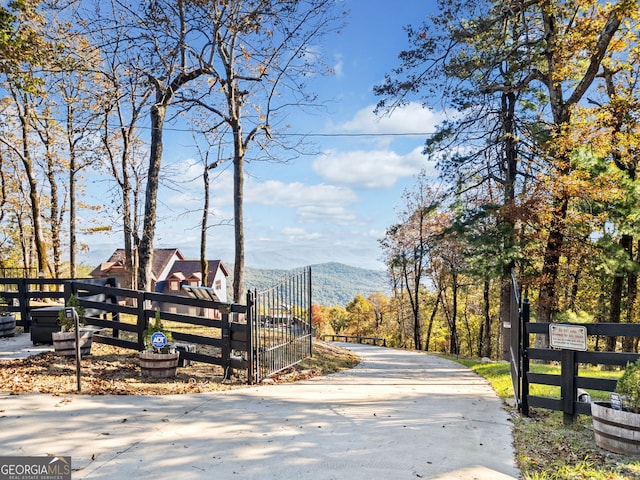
271 332
282 334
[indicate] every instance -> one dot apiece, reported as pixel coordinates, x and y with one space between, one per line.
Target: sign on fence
568 337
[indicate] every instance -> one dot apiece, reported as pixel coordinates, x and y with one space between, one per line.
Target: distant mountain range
331 283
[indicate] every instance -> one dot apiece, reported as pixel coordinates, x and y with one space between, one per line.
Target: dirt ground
115 371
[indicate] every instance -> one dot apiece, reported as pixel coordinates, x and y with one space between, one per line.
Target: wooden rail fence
356 339
228 334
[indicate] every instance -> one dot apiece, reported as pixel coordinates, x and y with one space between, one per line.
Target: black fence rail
26 294
218 332
356 339
281 334
270 333
575 347
571 362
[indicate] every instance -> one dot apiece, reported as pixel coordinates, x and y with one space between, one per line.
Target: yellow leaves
87 206
103 228
109 370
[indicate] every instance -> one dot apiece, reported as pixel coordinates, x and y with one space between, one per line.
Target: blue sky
331 207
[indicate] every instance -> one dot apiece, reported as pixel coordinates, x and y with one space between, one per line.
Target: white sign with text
568 337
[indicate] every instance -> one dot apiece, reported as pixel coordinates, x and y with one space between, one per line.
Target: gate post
142 323
226 342
525 358
25 310
310 315
568 392
251 354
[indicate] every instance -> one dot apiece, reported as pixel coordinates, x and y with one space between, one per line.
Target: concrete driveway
398 415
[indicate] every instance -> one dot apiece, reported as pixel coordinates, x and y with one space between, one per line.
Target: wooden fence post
226 343
568 392
24 304
142 323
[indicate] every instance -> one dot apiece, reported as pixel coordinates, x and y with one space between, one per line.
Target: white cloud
298 194
296 234
184 199
381 166
338 66
369 169
410 118
330 214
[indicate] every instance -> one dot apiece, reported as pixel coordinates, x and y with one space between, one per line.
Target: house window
218 284
174 285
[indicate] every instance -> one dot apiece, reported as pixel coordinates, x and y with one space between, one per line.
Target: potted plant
64 341
7 320
158 359
616 423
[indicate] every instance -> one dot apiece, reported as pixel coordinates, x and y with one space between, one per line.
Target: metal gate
515 316
570 355
281 334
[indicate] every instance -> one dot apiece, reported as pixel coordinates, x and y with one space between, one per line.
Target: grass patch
545 448
328 358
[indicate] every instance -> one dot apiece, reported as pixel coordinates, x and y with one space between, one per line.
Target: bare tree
408 247
244 63
207 167
25 109
123 99
265 53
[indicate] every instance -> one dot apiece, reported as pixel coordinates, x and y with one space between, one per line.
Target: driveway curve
397 415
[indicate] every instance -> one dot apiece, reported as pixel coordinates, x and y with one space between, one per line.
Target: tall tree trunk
73 247
453 327
506 219
158 112
617 289
547 299
44 267
485 350
575 283
561 112
629 343
204 267
238 213
55 214
432 317
412 282
130 277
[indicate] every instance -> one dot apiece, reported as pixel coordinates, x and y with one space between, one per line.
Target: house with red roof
169 271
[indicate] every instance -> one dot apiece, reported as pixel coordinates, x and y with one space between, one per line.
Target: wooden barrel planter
7 325
64 343
159 365
616 430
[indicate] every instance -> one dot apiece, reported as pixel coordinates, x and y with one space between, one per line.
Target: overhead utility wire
284 134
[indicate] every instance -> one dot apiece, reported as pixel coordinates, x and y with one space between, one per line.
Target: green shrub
153 328
68 324
628 386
